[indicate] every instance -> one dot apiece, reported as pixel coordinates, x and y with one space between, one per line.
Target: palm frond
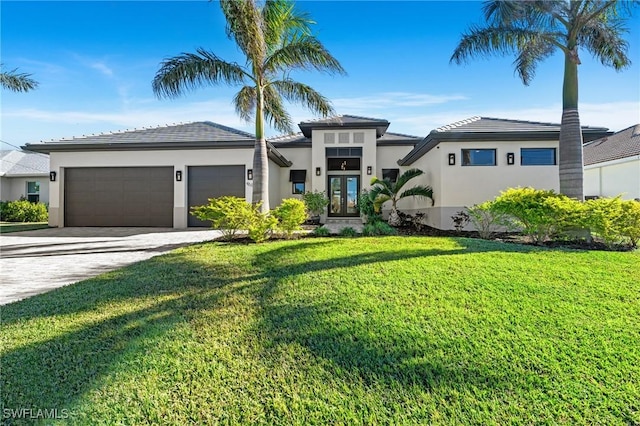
418 191
245 26
245 102
534 52
192 70
501 40
303 52
603 39
304 95
17 82
275 112
282 21
406 177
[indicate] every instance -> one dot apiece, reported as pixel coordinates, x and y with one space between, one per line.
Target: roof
623 144
493 130
345 121
19 163
203 134
296 140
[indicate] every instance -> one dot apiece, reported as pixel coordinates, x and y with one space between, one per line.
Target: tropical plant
383 190
228 214
16 82
275 40
534 30
367 208
315 202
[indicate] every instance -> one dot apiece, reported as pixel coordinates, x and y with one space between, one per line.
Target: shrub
540 213
261 226
315 202
486 220
228 214
460 220
23 211
378 227
614 220
348 232
630 221
290 215
367 208
321 231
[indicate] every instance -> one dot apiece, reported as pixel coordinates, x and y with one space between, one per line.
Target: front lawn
6 227
414 330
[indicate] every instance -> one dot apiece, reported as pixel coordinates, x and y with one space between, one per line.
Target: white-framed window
478 157
33 191
538 157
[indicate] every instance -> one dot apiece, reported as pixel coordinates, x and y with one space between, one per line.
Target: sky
95 61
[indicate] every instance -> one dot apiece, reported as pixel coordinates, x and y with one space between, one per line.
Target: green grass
386 330
6 227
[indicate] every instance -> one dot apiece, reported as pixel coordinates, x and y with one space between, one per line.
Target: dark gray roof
391 138
345 121
20 163
203 134
290 141
494 130
623 144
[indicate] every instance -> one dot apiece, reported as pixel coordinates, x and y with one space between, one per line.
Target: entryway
343 195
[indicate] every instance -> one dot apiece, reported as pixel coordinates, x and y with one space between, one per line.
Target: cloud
392 100
102 68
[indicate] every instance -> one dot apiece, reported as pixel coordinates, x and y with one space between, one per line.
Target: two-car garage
141 196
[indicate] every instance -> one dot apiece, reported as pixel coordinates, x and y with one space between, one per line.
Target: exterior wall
613 178
12 188
458 186
180 160
301 159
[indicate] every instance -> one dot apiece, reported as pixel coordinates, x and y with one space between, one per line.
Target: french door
343 195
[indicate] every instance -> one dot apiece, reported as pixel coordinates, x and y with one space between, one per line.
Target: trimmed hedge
23 211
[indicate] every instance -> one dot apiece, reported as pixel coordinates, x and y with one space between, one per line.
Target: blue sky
95 62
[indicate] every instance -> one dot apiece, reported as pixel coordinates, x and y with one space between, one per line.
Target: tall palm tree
383 190
17 82
534 30
275 39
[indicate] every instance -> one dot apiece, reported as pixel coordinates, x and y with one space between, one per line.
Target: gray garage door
119 196
206 182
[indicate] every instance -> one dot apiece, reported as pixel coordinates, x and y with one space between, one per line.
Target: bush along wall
23 211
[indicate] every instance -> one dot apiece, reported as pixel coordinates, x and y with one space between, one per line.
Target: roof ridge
135 129
457 124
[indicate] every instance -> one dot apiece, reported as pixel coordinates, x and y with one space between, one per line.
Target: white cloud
391 100
102 68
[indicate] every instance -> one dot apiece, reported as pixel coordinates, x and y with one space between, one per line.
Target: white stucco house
24 175
612 165
151 177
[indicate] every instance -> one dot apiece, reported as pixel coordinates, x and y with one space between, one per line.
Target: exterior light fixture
52 176
510 158
249 174
318 171
369 170
178 175
452 159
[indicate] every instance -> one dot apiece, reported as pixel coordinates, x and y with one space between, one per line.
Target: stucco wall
12 188
613 178
180 160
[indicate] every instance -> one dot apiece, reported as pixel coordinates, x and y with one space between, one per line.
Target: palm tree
534 30
385 190
16 82
275 40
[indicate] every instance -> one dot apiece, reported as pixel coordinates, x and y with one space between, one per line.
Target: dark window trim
555 157
392 174
470 164
297 176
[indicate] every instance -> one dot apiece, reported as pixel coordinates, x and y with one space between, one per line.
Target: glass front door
343 195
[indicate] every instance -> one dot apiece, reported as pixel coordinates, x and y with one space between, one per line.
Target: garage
206 182
118 196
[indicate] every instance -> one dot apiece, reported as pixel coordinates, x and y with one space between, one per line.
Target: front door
343 195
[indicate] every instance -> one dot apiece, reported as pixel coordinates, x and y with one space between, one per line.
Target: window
343 164
478 157
344 152
33 191
391 174
298 177
538 156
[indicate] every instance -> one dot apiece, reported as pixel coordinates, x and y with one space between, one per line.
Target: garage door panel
206 182
119 196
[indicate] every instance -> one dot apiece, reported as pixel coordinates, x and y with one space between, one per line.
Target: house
612 165
151 177
24 175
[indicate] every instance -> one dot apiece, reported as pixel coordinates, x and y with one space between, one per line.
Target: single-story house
612 165
152 176
24 175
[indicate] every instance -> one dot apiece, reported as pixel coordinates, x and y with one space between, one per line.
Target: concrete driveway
34 262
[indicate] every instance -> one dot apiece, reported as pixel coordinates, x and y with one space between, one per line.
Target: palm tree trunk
260 159
571 164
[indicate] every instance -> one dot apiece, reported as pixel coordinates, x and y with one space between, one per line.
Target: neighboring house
151 177
612 165
24 175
